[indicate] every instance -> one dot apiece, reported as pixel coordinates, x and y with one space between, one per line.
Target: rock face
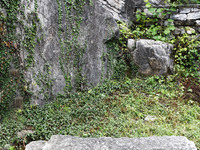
70 49
115 7
123 9
59 142
153 57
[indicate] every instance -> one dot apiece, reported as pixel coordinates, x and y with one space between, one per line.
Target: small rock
23 133
185 10
131 44
198 22
7 147
166 23
189 30
182 30
153 57
150 118
195 9
193 16
177 31
182 17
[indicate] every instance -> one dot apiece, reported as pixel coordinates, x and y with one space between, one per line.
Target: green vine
71 55
16 38
9 54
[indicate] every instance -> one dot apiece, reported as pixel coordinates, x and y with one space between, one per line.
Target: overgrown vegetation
149 25
114 109
11 80
119 106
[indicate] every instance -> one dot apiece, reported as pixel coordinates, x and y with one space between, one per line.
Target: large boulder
69 46
58 142
152 57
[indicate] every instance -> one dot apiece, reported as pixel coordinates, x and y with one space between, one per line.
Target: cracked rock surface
97 26
153 57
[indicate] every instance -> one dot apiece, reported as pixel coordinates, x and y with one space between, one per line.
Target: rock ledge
61 142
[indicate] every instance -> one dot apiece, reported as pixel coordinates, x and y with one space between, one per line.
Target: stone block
61 142
153 57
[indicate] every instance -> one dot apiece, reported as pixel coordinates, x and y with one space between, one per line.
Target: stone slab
61 142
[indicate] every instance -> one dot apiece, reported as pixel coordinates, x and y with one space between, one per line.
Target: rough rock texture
57 65
123 9
187 14
115 7
153 57
61 142
23 133
183 16
47 77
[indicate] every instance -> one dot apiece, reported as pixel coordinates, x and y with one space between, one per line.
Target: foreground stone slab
61 142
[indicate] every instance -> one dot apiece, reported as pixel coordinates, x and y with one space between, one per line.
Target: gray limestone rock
184 10
36 145
181 17
115 7
23 133
123 9
193 16
198 22
190 30
150 118
56 63
131 44
153 57
61 142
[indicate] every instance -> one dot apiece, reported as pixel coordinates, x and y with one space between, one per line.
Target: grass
114 109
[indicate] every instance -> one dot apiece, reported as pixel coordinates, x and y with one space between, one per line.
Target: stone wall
186 18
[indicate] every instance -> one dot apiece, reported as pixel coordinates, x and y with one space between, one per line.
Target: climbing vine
15 37
9 53
72 52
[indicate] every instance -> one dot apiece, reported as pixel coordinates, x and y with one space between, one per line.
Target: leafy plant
187 56
150 23
115 109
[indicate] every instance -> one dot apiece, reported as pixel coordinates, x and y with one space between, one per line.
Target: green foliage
9 53
187 56
150 24
115 109
120 60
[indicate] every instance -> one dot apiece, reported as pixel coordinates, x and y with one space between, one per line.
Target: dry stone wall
186 18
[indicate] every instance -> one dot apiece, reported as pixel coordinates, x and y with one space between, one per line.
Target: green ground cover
114 109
